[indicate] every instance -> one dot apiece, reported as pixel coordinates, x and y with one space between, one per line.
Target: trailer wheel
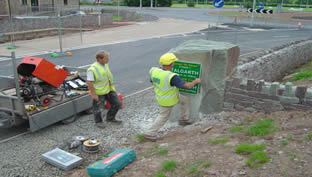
69 120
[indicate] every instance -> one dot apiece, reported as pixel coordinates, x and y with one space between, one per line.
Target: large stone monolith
218 61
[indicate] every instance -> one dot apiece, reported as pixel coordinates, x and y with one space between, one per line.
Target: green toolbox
115 161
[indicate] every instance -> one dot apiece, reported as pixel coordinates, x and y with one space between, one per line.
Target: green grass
162 151
261 128
302 69
284 142
218 140
292 156
207 165
195 169
249 148
289 138
160 174
117 18
140 138
168 166
303 75
257 158
309 136
236 129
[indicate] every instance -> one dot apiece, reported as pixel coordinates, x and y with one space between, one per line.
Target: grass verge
262 127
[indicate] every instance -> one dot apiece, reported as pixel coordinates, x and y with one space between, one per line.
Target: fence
61 23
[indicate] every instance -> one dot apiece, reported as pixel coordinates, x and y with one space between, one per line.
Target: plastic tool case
113 163
61 159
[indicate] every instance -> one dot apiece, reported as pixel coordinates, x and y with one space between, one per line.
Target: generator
42 93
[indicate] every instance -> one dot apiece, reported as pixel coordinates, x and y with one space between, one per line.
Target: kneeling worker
101 86
166 87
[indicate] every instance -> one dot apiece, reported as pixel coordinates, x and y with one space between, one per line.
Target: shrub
190 3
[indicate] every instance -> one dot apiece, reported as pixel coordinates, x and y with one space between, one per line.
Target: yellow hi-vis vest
103 79
166 95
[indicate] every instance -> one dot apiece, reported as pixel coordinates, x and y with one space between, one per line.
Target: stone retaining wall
263 96
273 66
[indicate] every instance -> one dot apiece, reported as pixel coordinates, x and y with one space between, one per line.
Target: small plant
249 148
289 138
140 138
261 128
257 158
218 140
292 155
284 142
236 129
309 136
194 169
159 174
207 165
168 165
162 151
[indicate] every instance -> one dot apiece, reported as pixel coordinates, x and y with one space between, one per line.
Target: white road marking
281 36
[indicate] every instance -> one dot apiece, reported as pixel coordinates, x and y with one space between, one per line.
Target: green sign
188 72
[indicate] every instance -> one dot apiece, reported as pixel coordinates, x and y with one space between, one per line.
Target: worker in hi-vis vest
101 87
166 87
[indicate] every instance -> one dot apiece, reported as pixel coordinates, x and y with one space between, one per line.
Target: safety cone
235 20
299 25
69 53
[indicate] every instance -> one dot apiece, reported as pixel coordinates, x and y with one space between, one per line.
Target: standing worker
101 87
166 87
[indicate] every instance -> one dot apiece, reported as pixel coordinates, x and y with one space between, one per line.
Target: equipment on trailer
38 93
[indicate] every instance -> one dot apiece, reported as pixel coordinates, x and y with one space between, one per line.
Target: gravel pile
21 156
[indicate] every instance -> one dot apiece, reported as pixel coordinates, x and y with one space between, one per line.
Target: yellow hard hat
167 59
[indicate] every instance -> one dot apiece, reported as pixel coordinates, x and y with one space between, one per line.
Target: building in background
22 7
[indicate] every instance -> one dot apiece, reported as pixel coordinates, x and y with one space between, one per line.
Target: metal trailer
12 107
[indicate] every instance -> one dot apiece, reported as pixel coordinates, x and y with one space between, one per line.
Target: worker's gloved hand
94 97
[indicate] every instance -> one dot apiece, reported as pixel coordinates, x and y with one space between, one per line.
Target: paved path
143 30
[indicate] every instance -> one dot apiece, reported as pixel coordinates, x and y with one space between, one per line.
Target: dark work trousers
115 105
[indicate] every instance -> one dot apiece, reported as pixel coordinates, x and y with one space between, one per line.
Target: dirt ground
203 152
199 154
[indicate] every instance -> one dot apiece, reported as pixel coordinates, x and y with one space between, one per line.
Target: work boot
185 122
114 121
100 125
150 138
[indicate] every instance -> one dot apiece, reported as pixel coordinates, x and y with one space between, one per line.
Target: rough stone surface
218 61
273 97
272 66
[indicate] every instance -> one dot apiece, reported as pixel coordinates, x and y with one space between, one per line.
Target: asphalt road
131 61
